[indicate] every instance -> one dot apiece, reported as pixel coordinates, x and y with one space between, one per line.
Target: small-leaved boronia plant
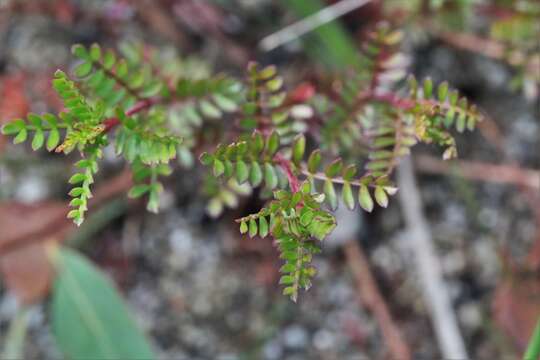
299 147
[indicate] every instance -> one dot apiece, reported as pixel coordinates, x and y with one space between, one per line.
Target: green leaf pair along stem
301 150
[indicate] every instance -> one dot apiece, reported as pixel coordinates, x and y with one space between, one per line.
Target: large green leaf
89 319
533 349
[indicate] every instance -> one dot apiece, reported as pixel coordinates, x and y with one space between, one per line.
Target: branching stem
118 80
336 180
138 107
287 167
389 98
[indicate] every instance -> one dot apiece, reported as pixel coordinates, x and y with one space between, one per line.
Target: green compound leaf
334 168
348 197
270 176
364 198
330 193
38 141
242 172
138 190
255 174
314 161
273 143
263 227
442 91
53 140
428 88
219 167
21 137
381 197
252 228
13 127
243 227
83 69
299 147
79 51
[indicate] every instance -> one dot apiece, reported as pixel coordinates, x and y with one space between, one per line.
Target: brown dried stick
428 266
503 174
473 43
58 221
372 299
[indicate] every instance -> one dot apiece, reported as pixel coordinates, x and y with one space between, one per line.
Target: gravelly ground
202 293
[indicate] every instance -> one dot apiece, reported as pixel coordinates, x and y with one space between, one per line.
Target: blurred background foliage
190 283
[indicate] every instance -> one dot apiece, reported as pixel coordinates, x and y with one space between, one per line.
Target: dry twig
428 267
503 174
57 222
473 43
373 300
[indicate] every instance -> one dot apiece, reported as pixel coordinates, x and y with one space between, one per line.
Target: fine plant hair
300 147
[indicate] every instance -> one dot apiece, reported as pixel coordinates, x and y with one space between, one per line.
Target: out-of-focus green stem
13 347
330 43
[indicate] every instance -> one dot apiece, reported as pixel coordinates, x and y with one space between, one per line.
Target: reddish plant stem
389 98
287 167
118 80
497 12
110 123
141 105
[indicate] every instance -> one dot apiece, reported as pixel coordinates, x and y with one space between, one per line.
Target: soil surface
202 292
